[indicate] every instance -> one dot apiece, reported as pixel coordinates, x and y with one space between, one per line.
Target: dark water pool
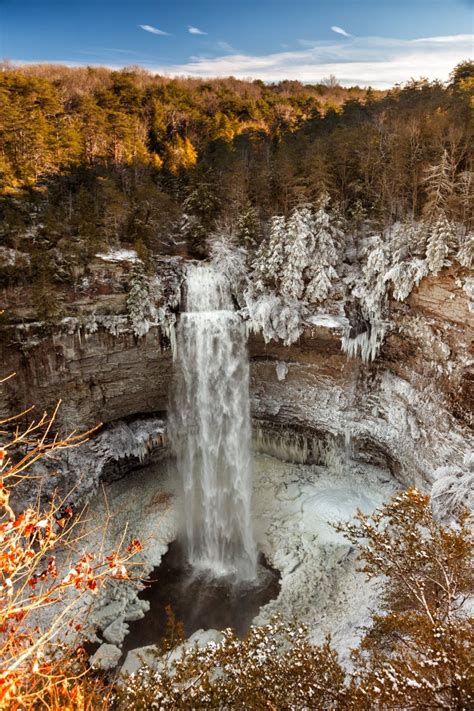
198 601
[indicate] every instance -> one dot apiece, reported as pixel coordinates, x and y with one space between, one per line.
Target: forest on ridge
92 158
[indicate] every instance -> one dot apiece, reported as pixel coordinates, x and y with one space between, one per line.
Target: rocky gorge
331 433
412 406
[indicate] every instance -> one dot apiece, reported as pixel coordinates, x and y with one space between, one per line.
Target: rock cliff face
91 359
99 377
410 408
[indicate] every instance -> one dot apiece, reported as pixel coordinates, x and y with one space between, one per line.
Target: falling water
210 428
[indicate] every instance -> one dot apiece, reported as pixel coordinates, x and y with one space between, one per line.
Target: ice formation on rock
365 344
210 427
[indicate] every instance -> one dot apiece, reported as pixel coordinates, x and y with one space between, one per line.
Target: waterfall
210 428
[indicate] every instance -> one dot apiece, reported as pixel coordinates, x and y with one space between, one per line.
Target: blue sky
377 42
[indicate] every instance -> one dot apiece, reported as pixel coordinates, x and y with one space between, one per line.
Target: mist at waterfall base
210 430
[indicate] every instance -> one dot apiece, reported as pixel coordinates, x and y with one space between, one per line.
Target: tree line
91 158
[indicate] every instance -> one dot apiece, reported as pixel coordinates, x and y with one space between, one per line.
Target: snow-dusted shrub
405 275
228 259
468 288
275 317
144 292
415 653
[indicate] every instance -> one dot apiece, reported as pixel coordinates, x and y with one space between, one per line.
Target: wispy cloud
153 30
340 31
221 46
375 61
195 31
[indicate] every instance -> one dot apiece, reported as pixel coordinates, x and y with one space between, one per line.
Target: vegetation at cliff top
92 158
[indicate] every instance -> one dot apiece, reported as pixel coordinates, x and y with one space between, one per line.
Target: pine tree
440 241
408 239
270 256
180 154
465 197
440 184
199 214
324 248
299 232
320 285
405 276
249 231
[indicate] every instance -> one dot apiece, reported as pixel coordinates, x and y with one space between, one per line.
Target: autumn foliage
44 565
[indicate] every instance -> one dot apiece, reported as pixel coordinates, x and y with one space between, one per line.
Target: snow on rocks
119 255
106 657
149 655
122 444
281 370
327 321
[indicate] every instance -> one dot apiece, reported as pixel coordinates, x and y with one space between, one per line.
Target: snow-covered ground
293 506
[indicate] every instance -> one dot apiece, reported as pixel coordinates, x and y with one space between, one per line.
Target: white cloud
340 31
375 61
153 30
195 30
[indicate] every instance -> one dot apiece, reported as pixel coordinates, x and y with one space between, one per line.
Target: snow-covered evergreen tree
374 273
405 275
230 260
325 247
320 285
407 239
465 197
299 256
270 256
275 317
199 212
248 231
440 241
143 293
299 237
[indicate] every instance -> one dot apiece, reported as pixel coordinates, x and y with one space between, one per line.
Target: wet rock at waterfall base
199 601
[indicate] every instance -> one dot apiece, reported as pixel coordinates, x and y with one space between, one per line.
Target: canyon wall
411 408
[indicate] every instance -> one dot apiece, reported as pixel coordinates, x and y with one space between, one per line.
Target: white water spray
210 428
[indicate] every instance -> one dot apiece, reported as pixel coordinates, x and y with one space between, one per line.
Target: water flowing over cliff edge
209 427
